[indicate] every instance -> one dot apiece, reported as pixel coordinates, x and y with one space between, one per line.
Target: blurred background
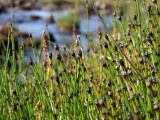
63 19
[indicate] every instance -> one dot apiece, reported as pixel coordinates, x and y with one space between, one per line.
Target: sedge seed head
45 48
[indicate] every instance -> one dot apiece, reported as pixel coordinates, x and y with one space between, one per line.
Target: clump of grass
116 79
67 23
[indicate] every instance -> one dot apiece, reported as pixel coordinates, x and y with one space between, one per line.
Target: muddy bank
56 5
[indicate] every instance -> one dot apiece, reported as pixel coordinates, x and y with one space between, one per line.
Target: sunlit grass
117 78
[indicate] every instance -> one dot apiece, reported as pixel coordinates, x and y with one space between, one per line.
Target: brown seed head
45 48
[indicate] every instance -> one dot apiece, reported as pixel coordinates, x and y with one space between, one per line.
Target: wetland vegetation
103 73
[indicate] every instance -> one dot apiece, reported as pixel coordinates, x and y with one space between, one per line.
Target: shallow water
23 22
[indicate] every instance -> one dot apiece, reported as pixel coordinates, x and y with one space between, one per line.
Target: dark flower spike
30 62
115 42
154 1
57 47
